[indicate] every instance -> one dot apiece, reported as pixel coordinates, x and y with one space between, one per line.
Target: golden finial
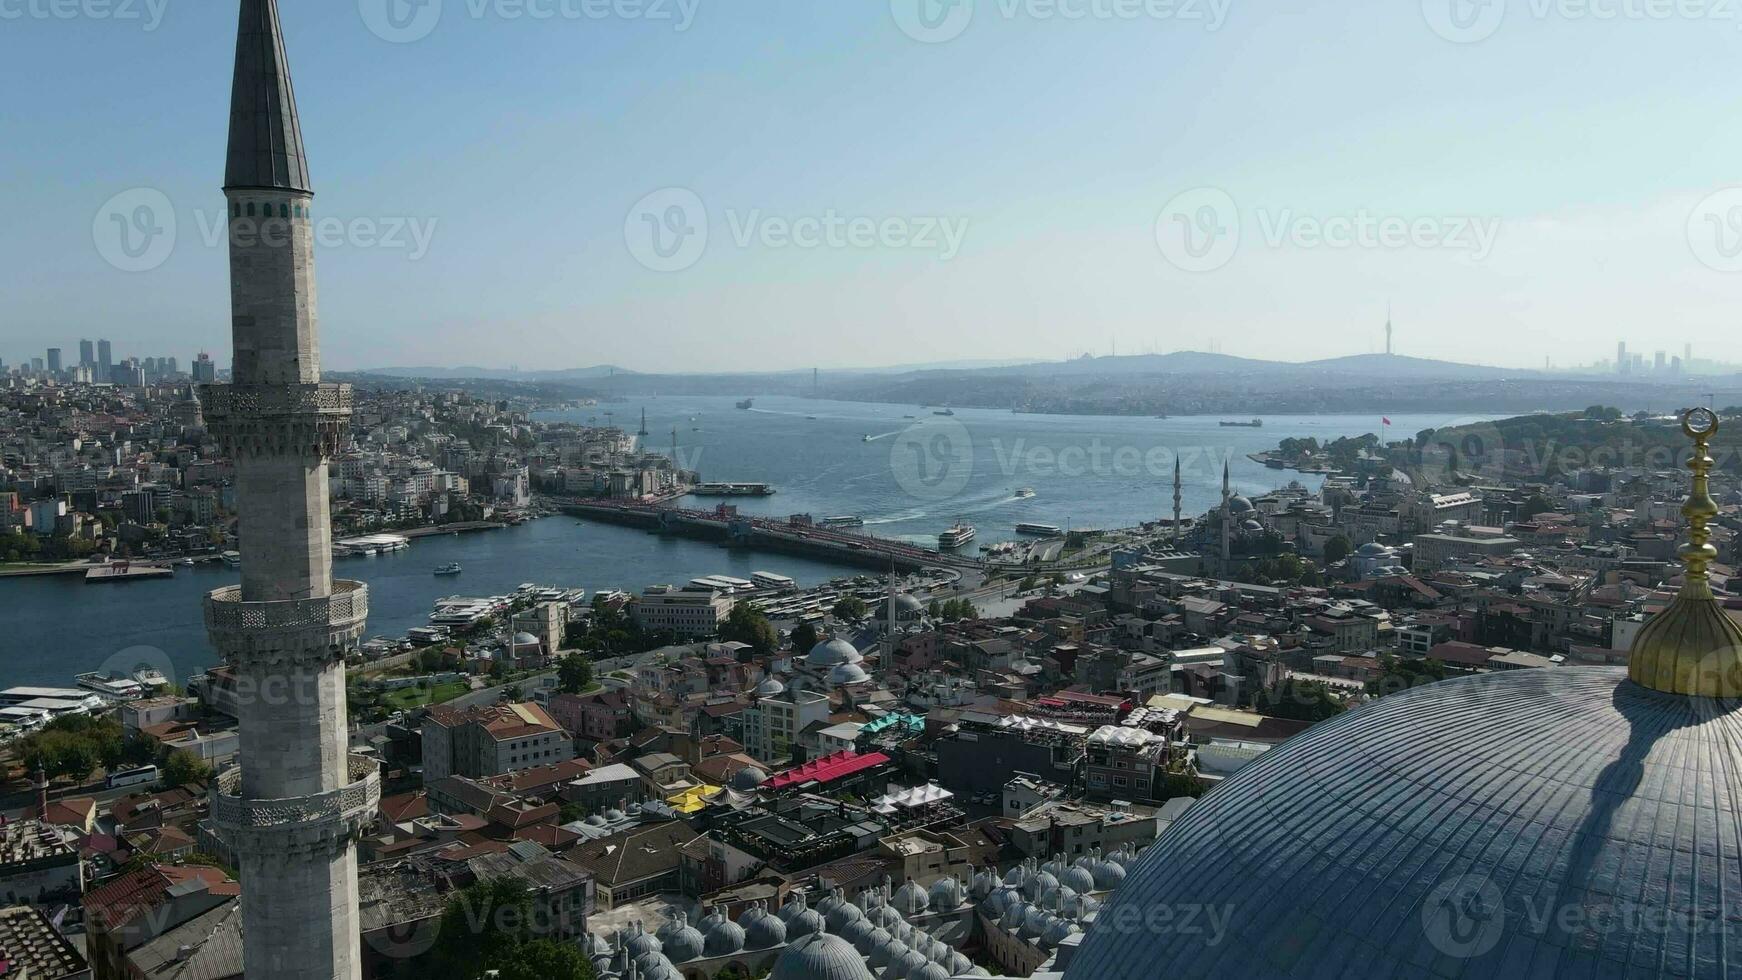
1693 647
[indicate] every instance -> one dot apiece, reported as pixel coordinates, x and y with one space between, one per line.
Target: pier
732 530
126 572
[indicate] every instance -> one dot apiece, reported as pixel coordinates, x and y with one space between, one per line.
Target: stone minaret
1178 498
293 809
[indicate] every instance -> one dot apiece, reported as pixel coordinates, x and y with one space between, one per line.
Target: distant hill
497 374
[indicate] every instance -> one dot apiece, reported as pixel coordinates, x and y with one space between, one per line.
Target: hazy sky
851 182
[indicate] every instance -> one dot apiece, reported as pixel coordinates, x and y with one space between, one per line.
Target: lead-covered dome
1555 822
832 653
820 957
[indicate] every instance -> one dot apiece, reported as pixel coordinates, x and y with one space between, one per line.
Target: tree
545 959
747 624
493 925
804 637
182 767
574 674
1337 549
1299 700
1537 504
850 608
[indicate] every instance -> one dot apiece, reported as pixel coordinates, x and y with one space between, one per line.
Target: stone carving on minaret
292 810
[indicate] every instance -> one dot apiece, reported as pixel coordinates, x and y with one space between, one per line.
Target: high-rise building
1622 364
105 362
299 799
1660 363
205 370
54 360
87 353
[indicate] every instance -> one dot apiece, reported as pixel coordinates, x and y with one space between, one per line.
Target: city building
490 741
31 948
39 865
686 613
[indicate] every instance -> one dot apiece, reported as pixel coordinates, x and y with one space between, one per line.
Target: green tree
804 637
492 925
182 767
545 959
1537 504
1299 700
747 624
574 674
1337 549
850 608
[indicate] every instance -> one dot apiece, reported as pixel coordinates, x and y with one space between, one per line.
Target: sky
700 185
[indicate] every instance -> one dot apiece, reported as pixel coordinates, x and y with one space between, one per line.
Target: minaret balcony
329 818
290 633
254 420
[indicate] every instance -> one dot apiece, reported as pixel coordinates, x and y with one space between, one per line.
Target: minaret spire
265 134
1177 499
1227 513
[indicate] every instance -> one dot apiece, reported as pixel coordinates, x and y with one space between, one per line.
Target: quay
732 530
126 572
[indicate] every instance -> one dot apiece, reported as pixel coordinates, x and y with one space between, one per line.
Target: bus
133 777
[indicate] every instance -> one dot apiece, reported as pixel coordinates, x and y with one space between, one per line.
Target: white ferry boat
843 522
451 568
957 536
769 580
1024 493
1042 530
111 687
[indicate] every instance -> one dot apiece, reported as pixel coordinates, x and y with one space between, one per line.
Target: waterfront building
299 800
688 613
490 741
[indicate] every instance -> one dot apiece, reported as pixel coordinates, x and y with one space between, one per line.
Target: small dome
930 971
847 675
1108 876
1373 549
842 915
724 938
946 894
832 653
905 964
874 939
1077 880
614 816
910 899
748 778
809 922
1240 505
1016 877
525 640
883 916
821 958
680 942
770 687
984 884
1059 931
888 953
858 932
640 942
595 821
794 905
765 931
959 964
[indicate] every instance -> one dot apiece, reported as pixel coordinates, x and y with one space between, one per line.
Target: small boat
747 404
451 568
947 411
843 522
1024 493
1254 424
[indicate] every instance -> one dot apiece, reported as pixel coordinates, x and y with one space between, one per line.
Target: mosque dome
725 938
1240 505
874 938
640 942
847 674
1373 549
910 899
821 957
680 942
841 915
905 964
946 894
807 922
767 931
1584 792
882 956
748 778
858 932
832 653
1077 880
985 882
525 640
884 916
770 687
929 971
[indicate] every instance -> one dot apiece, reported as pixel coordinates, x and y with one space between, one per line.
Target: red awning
828 769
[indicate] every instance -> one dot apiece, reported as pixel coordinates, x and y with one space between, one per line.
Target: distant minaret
643 432
1227 513
300 800
1388 350
1177 501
